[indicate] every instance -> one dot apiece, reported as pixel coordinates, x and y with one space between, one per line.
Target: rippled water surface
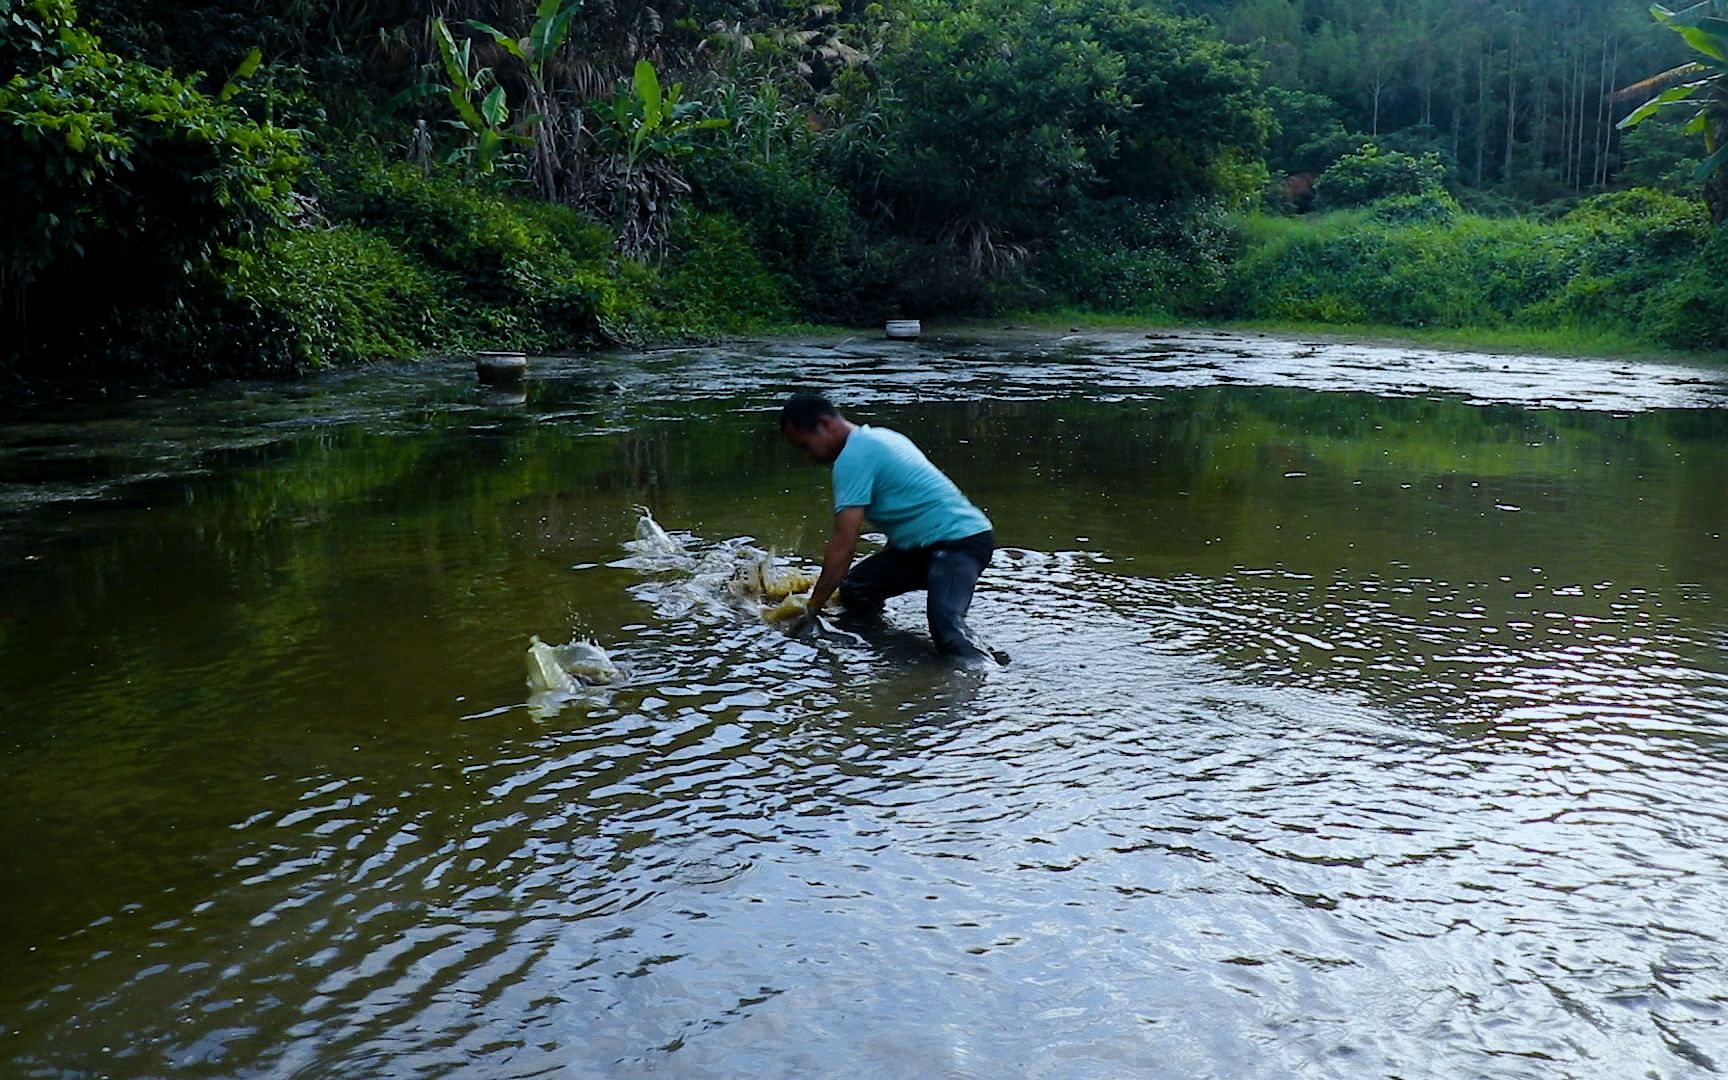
1368 717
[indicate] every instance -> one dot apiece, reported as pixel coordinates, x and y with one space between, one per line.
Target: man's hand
837 559
802 624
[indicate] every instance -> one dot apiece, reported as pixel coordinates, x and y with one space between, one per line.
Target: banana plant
540 113
648 120
645 128
551 25
1704 83
477 97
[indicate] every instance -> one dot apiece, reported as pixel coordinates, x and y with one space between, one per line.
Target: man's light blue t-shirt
901 492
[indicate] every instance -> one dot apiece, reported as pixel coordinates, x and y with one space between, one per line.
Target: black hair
804 411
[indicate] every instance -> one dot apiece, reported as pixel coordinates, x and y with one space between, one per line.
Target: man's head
812 424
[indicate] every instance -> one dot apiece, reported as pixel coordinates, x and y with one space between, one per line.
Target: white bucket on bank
904 329
500 367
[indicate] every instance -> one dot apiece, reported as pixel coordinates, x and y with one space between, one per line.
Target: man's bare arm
838 558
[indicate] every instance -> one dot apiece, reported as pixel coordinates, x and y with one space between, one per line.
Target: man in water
937 540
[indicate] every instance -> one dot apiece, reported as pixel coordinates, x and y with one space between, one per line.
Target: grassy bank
1625 272
394 265
1631 273
403 266
391 265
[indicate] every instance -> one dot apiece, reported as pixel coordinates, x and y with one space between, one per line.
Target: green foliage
915 157
1686 308
1647 210
302 300
1307 132
1659 154
645 130
1371 174
1197 116
1703 83
1431 207
477 98
1510 93
121 178
998 120
1135 257
336 296
1003 116
1496 204
1421 141
647 120
802 225
1640 263
534 274
713 277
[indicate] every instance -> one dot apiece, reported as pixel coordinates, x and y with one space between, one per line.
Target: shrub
1128 256
714 280
802 226
1640 264
1432 207
1687 310
1645 208
336 296
125 178
1371 174
528 274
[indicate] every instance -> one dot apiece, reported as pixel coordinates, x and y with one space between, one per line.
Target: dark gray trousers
947 572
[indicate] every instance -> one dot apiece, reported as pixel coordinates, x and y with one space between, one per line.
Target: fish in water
782 592
777 591
760 577
567 668
790 607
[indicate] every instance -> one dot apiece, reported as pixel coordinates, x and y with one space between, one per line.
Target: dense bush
1371 174
1432 207
532 274
414 265
1003 117
1644 264
1686 309
299 301
800 222
1307 132
122 180
1644 209
1131 256
714 279
336 296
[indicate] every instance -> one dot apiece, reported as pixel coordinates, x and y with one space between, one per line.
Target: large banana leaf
1704 27
505 41
1714 162
1671 96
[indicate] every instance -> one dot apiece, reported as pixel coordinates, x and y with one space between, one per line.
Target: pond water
1368 716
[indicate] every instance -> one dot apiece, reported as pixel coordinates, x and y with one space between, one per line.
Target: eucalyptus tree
1003 115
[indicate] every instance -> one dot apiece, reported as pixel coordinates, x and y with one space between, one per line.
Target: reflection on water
1367 718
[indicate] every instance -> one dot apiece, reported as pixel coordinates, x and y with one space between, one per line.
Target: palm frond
1645 87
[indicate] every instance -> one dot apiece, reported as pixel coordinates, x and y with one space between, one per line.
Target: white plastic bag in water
566 668
651 539
588 662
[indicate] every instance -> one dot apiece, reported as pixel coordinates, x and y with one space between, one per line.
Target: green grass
1634 272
